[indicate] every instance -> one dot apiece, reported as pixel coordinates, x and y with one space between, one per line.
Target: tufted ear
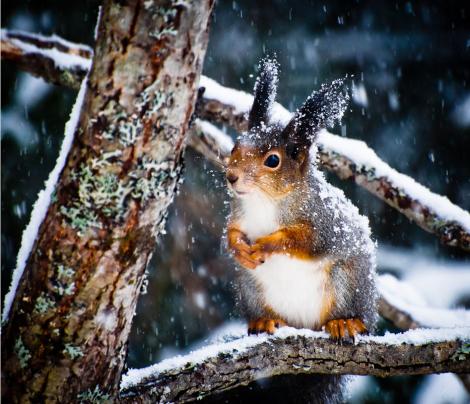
320 110
265 93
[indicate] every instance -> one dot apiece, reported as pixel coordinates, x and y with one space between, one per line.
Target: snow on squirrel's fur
355 150
42 203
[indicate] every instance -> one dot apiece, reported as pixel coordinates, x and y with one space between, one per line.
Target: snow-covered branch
404 307
238 360
351 159
65 63
50 57
400 304
219 367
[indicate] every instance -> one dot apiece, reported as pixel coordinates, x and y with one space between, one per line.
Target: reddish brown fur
247 163
293 240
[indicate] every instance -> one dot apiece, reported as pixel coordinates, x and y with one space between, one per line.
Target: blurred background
411 104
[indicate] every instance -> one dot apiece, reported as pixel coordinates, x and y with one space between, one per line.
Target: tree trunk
66 334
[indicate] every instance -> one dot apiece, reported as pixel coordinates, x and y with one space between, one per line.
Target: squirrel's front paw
338 328
265 246
268 325
241 249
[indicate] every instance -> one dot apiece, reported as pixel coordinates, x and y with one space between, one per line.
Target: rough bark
449 232
405 321
67 331
294 355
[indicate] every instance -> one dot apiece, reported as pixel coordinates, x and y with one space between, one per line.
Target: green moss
22 352
64 289
462 353
97 193
64 272
95 396
104 195
72 351
129 131
43 304
80 218
68 79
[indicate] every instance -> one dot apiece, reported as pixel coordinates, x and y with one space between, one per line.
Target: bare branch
347 158
240 362
399 318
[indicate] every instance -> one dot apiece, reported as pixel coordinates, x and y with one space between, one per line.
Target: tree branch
217 368
401 314
404 321
347 158
399 318
49 57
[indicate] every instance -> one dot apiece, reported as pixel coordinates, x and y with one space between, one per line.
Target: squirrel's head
272 159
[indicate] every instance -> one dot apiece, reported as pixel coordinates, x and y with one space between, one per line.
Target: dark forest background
411 67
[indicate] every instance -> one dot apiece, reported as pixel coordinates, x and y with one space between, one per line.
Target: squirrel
306 255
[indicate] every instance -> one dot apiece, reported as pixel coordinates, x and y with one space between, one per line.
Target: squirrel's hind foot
339 329
269 325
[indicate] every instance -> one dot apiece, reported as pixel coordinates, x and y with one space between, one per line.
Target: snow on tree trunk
66 333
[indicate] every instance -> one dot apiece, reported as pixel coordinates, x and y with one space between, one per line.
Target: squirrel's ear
265 93
320 110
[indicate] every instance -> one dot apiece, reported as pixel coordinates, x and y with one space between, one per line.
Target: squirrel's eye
272 161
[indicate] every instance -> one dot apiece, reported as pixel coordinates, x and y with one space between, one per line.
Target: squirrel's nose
232 178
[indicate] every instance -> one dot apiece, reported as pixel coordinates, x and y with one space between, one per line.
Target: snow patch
135 376
442 389
419 336
405 298
222 139
442 283
42 203
366 159
240 101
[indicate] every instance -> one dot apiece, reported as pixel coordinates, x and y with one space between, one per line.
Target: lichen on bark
67 331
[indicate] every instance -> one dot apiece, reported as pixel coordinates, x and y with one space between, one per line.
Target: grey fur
341 233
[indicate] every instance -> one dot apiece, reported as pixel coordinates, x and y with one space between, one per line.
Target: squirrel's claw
259 257
337 328
268 325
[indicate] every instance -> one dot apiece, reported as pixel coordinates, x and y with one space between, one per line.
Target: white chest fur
293 288
258 216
